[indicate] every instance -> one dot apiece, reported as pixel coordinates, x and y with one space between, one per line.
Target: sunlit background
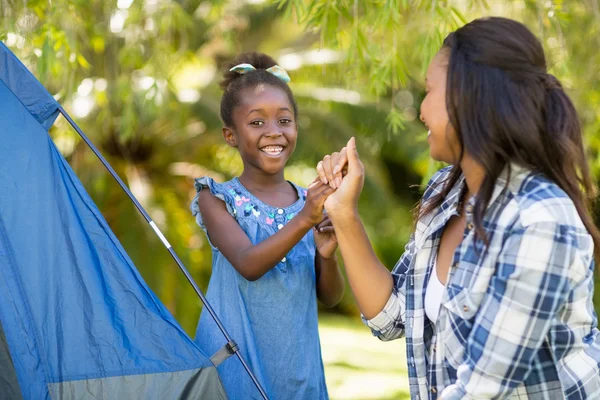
141 78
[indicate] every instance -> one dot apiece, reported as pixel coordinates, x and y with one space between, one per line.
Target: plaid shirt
516 321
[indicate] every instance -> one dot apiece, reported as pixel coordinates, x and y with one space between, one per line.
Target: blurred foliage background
140 77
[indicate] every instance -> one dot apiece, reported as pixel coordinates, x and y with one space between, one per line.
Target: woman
494 289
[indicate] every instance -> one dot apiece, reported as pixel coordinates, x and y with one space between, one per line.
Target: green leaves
379 37
133 75
395 121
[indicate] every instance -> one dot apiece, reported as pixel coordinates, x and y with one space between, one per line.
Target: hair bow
275 70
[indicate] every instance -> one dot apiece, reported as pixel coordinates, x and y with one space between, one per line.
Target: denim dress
273 319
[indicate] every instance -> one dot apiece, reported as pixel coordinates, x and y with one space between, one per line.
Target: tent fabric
78 319
27 88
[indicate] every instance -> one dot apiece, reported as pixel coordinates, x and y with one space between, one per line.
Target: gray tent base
200 383
203 383
9 384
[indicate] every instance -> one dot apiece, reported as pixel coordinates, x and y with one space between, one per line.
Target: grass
358 365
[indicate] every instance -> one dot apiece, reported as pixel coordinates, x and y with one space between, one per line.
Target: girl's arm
253 261
330 282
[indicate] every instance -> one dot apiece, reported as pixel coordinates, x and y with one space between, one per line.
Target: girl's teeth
273 149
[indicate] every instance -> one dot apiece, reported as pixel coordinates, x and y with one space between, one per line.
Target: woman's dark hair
234 83
505 107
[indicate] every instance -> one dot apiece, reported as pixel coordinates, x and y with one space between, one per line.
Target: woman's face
443 142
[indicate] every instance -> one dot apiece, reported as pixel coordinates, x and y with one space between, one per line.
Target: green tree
141 79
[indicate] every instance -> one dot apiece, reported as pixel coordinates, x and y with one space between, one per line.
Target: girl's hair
505 107
234 83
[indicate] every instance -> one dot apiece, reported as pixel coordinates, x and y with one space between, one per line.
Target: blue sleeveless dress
273 319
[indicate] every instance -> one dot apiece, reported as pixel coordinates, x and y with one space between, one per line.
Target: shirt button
280 211
469 208
280 226
465 308
283 259
434 348
455 265
469 226
433 390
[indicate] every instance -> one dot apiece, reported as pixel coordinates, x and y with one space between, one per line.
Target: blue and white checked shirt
516 321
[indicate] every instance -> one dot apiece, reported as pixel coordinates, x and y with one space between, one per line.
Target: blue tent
76 318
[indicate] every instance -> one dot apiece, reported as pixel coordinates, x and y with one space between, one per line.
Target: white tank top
433 296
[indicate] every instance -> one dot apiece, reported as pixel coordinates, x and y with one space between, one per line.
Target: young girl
494 289
269 263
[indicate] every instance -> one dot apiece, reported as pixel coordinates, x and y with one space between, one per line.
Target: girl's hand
325 238
331 170
316 195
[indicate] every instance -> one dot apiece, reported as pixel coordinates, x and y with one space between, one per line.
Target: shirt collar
511 178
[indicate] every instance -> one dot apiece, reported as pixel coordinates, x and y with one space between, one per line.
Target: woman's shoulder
540 209
540 200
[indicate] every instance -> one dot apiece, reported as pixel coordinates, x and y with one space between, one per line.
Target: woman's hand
345 172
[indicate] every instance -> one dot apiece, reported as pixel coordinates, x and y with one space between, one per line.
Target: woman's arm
253 261
369 280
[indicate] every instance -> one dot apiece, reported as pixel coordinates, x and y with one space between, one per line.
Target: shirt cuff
453 392
388 318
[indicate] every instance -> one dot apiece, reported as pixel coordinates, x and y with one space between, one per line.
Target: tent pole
231 345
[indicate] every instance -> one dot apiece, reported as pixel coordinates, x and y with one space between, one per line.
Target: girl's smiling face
265 130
